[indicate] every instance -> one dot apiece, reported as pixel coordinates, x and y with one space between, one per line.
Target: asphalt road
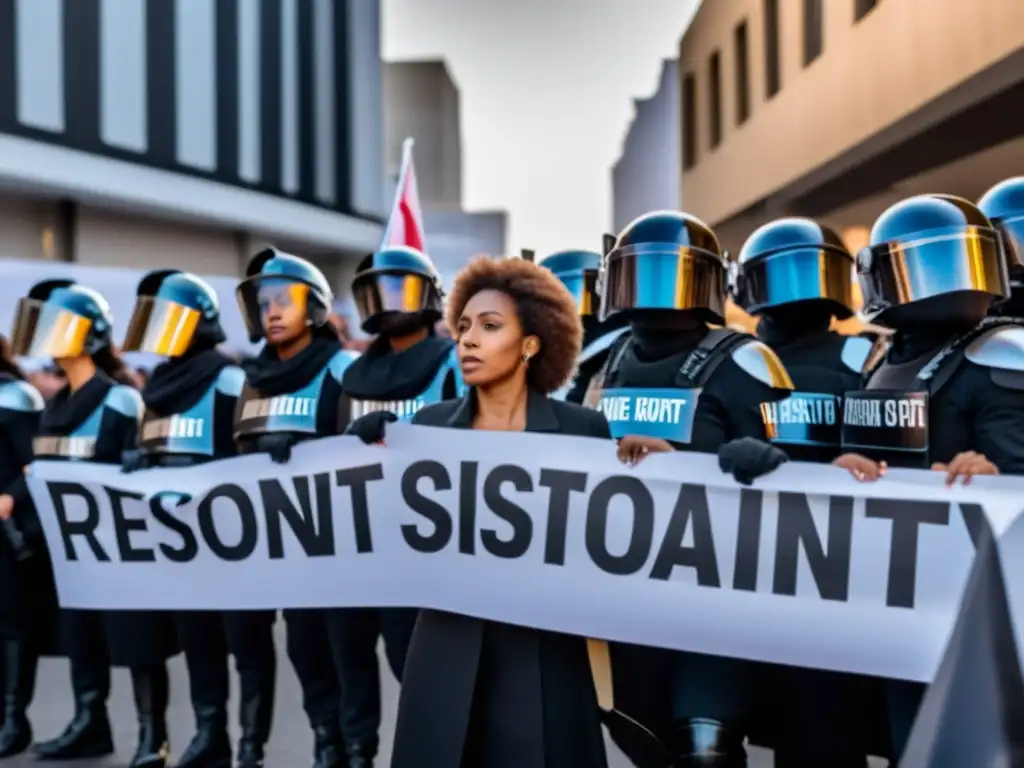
291 742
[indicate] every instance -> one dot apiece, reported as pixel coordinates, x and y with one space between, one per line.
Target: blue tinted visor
930 265
1011 233
582 284
802 274
663 276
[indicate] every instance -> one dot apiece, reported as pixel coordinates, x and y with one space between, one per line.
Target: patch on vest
667 414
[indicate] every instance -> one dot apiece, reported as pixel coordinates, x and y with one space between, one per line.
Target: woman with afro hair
482 694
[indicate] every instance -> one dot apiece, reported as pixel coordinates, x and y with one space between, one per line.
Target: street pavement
291 742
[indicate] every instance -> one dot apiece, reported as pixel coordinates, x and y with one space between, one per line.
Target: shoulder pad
230 381
20 396
125 400
601 344
759 361
1001 348
855 353
342 360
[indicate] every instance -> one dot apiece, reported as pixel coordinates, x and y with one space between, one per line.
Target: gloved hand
748 458
15 539
280 451
132 461
370 428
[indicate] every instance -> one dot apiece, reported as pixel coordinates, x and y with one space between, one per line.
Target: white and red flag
405 225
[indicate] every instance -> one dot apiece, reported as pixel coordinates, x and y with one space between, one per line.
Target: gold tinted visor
262 296
660 276
383 292
161 326
48 330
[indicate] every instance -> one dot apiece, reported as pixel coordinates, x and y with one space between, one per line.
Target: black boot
210 747
327 745
257 710
704 743
19 664
360 755
152 689
88 733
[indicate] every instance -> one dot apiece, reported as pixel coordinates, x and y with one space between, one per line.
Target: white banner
807 568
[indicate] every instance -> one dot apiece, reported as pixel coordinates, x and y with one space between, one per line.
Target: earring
526 358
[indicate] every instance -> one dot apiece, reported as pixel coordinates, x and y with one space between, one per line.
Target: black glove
749 458
370 428
16 540
132 461
279 448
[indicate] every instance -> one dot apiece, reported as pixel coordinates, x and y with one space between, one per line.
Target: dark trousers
354 633
202 636
84 641
310 652
712 687
250 638
903 699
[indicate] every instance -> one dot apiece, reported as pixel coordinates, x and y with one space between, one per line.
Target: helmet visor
260 298
383 292
802 274
161 326
1011 233
662 276
47 329
583 287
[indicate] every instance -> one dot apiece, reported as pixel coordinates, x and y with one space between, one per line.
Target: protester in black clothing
189 419
578 271
399 298
666 273
1004 207
292 393
28 602
795 276
93 419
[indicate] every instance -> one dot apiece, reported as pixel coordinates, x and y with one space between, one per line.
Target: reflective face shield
48 329
383 292
161 326
262 297
582 284
1011 233
801 274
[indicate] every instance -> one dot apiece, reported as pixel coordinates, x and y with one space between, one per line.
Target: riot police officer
578 271
667 274
399 298
931 272
189 415
1003 205
795 276
90 420
292 393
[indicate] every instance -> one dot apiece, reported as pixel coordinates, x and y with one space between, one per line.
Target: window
772 68
742 51
689 122
715 99
813 32
862 8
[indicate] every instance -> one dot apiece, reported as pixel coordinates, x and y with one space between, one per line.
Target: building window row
813 47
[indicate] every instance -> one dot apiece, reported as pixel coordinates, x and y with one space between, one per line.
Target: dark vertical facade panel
8 78
307 94
161 85
82 74
343 166
227 90
270 93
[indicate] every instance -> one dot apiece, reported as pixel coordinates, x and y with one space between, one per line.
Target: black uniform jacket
481 694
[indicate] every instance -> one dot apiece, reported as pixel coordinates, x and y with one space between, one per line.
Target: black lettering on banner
123 527
246 513
830 566
189 546
691 507
974 521
357 478
562 483
84 528
907 518
748 541
518 518
435 513
633 559
467 507
313 529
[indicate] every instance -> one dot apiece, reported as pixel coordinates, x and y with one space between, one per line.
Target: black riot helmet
792 261
60 318
665 260
931 259
394 285
272 266
1004 207
578 272
173 310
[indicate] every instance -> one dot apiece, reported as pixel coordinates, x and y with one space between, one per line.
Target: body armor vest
594 348
190 433
80 445
294 413
406 409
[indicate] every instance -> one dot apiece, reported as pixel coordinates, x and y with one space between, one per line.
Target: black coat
481 694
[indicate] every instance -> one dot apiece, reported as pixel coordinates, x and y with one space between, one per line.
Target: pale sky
547 90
